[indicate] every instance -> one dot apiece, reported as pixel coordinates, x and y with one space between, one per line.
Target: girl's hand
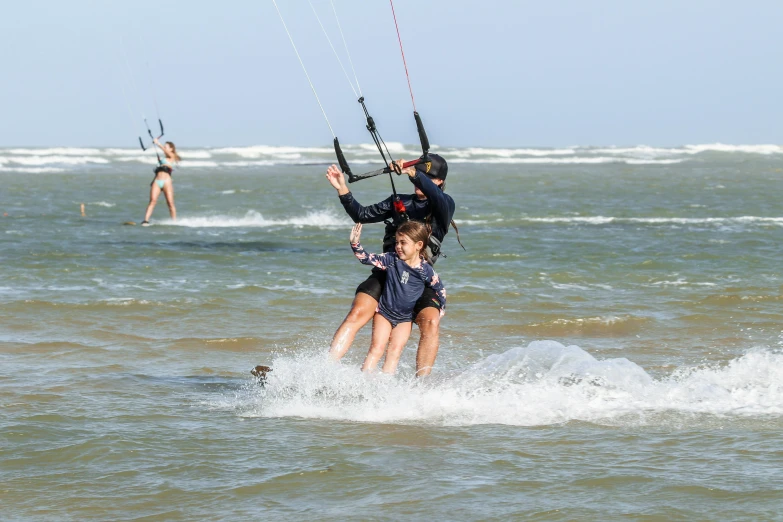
155 141
356 233
336 178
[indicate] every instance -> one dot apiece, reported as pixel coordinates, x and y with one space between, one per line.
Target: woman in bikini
162 181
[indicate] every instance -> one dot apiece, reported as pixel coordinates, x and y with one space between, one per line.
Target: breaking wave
321 219
71 158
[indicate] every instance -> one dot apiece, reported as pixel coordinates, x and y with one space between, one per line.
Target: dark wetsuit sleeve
361 214
441 204
432 280
381 261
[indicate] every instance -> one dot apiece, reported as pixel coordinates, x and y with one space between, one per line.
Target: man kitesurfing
428 204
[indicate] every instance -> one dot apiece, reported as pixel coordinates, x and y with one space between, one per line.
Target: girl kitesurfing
408 273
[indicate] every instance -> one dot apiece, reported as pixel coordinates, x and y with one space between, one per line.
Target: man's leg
362 310
428 321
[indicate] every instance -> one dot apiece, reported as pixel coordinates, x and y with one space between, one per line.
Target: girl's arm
433 281
381 261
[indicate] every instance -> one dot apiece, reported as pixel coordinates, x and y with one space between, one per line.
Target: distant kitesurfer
408 274
163 182
429 205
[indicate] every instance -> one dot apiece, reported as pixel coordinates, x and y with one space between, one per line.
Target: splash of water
543 383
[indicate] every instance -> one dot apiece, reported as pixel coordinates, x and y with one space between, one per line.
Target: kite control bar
425 149
149 131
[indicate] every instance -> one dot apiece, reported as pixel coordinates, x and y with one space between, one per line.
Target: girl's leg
399 336
154 194
168 191
381 328
362 311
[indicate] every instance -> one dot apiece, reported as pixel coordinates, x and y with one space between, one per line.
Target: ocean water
611 348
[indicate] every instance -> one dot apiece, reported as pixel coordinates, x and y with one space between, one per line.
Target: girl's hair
174 151
417 231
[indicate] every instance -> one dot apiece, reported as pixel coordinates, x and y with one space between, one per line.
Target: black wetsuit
438 204
437 210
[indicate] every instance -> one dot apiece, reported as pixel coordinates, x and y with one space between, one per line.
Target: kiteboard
129 223
259 372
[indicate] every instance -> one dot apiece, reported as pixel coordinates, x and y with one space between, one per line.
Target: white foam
321 219
747 149
194 154
584 160
192 164
58 151
32 170
602 220
261 163
541 384
60 160
137 157
103 204
259 151
366 154
123 152
508 153
653 162
394 147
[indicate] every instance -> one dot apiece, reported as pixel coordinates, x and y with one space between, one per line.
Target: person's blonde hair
174 151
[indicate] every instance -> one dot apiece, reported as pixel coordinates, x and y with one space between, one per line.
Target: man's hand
410 171
337 180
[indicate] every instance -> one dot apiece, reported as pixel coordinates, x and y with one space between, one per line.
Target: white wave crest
57 160
32 170
602 220
259 151
747 149
203 164
321 219
508 153
58 151
583 160
541 384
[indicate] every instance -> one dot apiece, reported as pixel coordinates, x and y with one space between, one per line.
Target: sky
491 73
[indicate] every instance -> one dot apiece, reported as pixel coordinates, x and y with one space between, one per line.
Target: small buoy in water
83 214
5 214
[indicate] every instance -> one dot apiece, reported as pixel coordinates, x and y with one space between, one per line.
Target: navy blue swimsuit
404 284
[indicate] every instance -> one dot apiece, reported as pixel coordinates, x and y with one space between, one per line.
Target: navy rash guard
404 284
438 204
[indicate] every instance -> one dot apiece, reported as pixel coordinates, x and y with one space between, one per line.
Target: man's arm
358 213
439 200
372 214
